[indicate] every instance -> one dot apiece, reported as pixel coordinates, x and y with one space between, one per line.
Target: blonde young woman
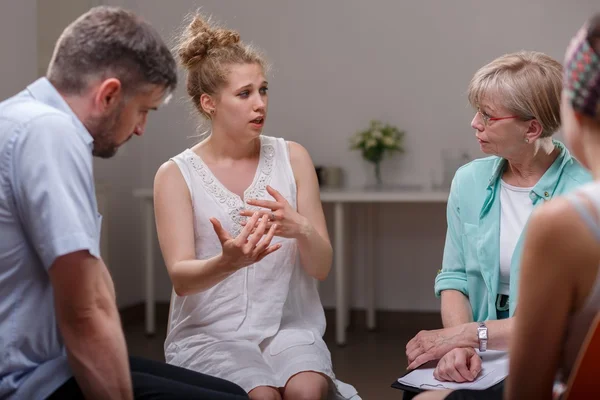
517 103
243 235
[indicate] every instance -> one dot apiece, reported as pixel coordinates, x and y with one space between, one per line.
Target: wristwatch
482 334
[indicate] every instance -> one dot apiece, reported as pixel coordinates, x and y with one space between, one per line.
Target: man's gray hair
110 42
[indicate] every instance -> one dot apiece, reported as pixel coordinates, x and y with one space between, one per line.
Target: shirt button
546 194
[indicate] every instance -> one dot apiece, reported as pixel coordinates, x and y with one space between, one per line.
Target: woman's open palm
250 246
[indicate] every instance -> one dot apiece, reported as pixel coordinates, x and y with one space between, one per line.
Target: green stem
378 172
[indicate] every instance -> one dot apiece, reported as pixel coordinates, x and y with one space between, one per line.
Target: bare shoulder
558 229
168 168
557 215
298 154
168 179
303 167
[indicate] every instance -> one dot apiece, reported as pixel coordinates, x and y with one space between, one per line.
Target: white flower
371 143
376 134
388 141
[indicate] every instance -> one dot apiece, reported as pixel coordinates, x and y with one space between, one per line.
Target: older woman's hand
433 345
458 365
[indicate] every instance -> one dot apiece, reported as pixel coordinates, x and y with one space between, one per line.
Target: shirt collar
546 186
43 91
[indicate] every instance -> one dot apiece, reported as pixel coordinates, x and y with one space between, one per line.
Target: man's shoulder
36 133
24 111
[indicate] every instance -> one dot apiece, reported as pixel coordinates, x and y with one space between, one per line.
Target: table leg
340 269
149 247
348 257
370 264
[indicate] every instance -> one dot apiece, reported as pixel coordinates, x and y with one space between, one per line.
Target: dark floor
370 361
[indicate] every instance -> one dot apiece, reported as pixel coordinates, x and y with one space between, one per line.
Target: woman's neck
221 146
526 169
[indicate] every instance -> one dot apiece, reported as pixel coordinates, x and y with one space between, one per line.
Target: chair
584 381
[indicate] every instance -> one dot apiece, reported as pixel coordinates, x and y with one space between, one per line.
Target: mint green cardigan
471 262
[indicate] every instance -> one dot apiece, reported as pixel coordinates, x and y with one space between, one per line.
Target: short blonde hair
528 84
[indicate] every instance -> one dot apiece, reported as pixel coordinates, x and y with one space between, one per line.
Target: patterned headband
582 73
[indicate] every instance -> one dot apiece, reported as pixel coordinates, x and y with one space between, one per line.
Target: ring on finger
272 216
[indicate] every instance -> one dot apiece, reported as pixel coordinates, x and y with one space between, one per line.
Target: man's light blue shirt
47 209
471 262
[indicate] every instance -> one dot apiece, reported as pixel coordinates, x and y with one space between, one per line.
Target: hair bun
200 38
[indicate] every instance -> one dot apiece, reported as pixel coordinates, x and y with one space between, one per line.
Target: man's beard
104 131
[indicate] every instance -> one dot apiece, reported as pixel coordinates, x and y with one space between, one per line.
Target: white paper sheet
494 368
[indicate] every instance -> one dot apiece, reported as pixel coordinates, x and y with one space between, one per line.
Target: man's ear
109 94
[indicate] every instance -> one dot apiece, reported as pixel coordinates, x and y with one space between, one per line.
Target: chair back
584 381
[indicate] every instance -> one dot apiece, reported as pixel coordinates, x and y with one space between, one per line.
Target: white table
340 198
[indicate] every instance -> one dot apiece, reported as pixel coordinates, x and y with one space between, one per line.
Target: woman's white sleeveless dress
263 324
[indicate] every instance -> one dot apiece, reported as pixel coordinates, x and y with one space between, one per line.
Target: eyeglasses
486 118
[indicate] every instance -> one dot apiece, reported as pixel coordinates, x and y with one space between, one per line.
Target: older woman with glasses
517 98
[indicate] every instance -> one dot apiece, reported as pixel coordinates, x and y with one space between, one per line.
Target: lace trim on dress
229 200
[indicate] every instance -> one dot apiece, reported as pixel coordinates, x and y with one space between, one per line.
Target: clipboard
413 389
491 379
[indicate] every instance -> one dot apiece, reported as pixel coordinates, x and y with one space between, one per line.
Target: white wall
53 16
338 64
17 45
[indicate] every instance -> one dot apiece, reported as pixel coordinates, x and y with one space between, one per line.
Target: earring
526 140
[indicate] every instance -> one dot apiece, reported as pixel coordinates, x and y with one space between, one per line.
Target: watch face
482 334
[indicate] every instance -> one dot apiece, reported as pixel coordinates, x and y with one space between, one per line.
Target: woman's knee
306 386
264 393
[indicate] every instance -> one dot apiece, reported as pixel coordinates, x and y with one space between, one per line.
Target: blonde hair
528 84
206 51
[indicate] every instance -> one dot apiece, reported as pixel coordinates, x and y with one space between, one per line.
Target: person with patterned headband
560 284
562 252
